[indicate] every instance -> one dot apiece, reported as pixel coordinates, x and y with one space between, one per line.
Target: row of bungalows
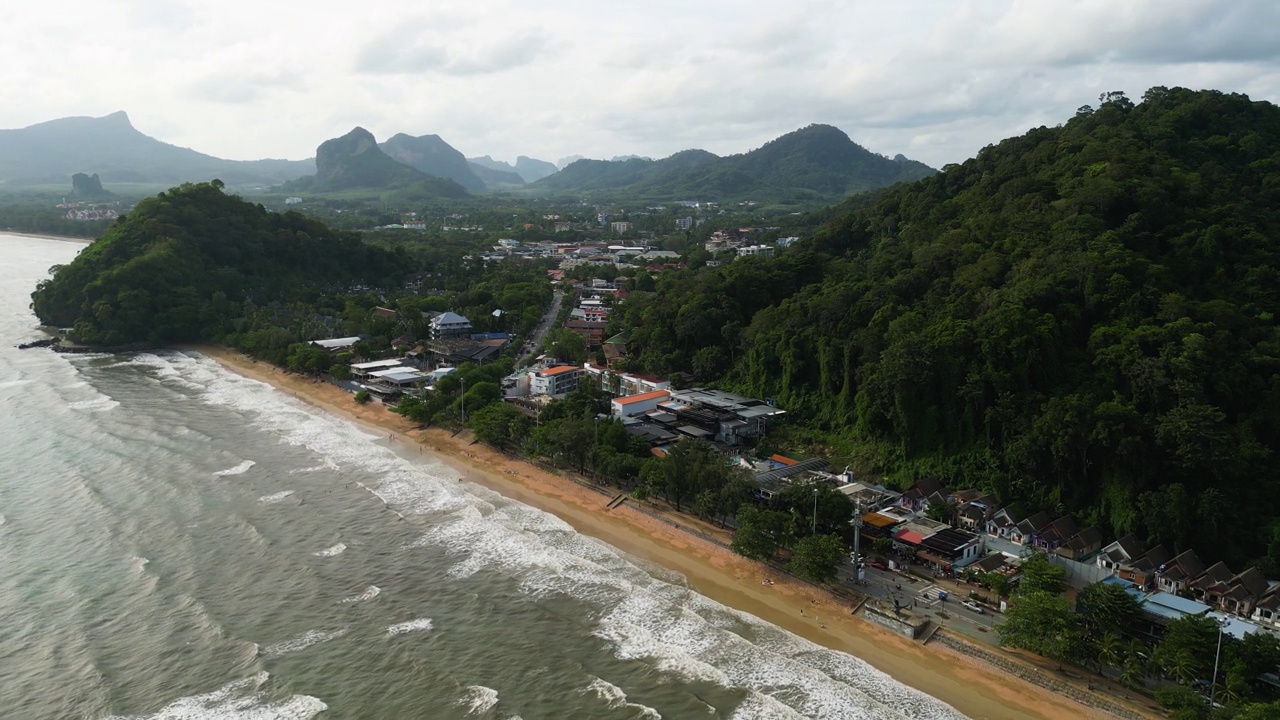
391 377
1061 536
1247 594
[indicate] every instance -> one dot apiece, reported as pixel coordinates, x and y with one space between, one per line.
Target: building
449 325
729 418
364 369
756 251
620 227
337 345
684 223
555 381
632 405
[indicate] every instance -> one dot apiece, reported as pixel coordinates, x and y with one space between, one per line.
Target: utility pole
464 400
857 537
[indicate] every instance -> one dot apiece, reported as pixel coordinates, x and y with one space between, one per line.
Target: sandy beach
971 686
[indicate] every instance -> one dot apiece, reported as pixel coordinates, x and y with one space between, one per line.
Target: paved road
535 341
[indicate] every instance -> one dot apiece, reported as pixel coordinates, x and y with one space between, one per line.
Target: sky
935 81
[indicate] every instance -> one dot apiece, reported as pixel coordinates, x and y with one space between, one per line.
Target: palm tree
1235 687
1132 672
1180 667
1110 651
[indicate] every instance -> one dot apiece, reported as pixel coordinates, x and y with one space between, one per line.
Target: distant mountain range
355 161
817 162
53 151
529 169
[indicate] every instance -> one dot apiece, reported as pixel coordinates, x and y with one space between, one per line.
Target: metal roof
812 464
374 364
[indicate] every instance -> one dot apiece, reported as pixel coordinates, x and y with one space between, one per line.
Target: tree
760 532
882 546
499 425
1187 650
816 557
1041 575
1111 650
1259 711
939 510
1106 610
1043 623
362 397
835 509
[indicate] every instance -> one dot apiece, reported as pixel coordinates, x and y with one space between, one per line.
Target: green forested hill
817 162
180 264
1083 318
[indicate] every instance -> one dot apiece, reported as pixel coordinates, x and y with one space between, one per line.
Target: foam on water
409 626
369 593
615 698
240 469
326 465
478 699
98 404
331 550
239 700
13 383
275 497
645 615
302 642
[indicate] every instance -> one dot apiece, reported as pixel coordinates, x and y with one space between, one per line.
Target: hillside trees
1082 318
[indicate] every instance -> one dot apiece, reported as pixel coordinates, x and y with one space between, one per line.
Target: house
1244 591
1121 552
868 497
950 549
1178 574
1026 532
1143 570
1267 609
730 418
916 497
972 515
1081 545
591 330
1003 522
449 325
637 404
555 381
362 370
1212 583
1056 533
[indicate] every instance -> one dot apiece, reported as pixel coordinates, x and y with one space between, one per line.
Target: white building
756 251
633 405
449 324
555 381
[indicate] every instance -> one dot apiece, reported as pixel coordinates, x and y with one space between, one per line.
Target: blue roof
1171 606
1134 591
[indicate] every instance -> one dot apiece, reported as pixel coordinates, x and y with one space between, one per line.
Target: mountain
817 162
178 267
110 146
527 168
88 187
1084 319
430 155
495 179
355 162
565 162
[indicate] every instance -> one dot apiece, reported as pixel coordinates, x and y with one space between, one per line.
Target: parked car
878 564
971 605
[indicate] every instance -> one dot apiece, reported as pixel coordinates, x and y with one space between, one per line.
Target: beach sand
971 686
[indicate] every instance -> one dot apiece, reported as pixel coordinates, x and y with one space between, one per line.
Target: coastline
62 238
967 684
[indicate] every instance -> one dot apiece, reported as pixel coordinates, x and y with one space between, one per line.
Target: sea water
179 542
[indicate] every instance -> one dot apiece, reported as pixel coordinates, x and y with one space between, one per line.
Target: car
879 565
971 605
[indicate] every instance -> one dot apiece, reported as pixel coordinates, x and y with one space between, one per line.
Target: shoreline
968 684
61 238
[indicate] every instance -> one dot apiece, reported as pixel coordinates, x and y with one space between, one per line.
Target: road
948 613
535 341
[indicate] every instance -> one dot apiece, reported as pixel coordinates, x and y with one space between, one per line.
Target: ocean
178 542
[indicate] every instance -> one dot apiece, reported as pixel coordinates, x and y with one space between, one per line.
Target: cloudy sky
936 81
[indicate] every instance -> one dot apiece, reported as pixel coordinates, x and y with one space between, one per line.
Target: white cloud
933 79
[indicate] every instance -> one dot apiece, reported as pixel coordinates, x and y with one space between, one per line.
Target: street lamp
1213 683
814 531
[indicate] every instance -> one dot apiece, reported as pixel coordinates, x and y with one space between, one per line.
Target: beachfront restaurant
362 371
394 381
